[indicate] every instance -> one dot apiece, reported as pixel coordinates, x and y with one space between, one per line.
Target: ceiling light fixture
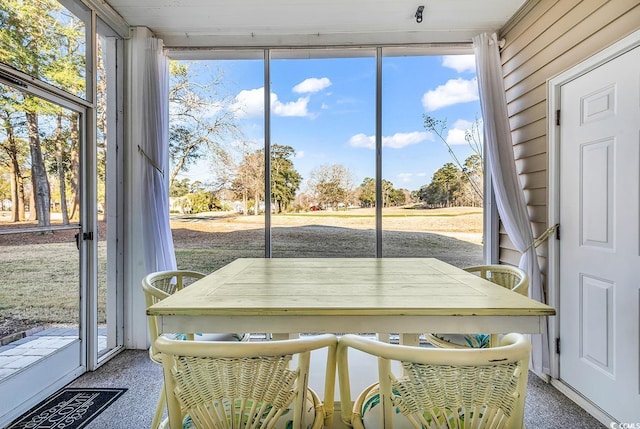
418 14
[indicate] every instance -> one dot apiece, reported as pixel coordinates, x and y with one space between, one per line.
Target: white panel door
599 243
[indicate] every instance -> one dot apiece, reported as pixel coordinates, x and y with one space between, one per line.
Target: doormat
69 408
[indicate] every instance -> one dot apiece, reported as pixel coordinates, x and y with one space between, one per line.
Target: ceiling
272 23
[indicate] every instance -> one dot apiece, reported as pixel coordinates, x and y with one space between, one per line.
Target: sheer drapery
509 196
153 148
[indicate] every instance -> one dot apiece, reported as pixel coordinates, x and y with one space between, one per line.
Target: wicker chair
157 286
507 276
438 388
246 385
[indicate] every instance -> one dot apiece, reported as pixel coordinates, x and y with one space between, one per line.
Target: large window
431 157
319 109
354 171
216 144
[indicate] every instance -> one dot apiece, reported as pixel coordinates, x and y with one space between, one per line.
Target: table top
345 287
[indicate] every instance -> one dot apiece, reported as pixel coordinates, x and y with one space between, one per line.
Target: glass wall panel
47 41
322 153
217 161
39 213
108 204
431 158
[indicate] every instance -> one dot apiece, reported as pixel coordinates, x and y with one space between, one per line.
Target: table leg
494 340
383 337
410 339
281 336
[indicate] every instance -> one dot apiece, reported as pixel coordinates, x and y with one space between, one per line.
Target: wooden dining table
407 296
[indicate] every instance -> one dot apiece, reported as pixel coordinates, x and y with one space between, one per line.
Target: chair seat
509 277
371 408
284 422
199 337
426 387
208 337
476 341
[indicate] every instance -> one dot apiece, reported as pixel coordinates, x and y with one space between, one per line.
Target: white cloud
363 140
456 134
405 177
311 85
396 141
408 177
250 103
453 92
460 63
292 108
299 154
400 140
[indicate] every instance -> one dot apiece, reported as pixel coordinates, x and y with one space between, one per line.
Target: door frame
37 381
554 86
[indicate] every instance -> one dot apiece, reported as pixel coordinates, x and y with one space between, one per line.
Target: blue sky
325 110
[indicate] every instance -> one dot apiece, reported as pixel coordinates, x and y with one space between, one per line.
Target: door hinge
558 346
558 117
558 232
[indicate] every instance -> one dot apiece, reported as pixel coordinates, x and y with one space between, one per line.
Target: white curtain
153 148
510 199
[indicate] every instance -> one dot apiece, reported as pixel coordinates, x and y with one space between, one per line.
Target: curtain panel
509 195
153 150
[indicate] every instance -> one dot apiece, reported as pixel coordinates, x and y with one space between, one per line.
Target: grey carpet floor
546 407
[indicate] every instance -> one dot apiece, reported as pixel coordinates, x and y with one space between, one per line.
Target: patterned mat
68 409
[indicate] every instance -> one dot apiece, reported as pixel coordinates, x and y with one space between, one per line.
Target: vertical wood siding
544 39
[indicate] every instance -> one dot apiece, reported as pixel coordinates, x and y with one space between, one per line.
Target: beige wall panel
529 132
558 36
531 147
536 197
577 44
544 266
507 244
522 101
537 111
511 257
520 104
538 214
543 253
538 228
532 164
519 34
534 180
558 21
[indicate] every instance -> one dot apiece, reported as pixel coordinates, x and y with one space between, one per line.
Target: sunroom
94 126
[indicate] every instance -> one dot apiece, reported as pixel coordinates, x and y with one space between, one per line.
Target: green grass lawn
41 281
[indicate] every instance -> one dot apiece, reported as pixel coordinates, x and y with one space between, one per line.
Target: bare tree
473 138
249 181
331 185
200 121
